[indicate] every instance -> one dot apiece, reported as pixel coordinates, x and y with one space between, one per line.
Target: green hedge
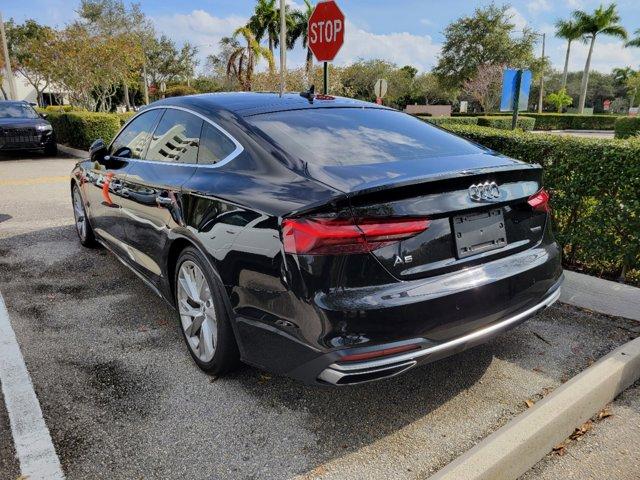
627 127
125 116
594 185
80 129
450 120
504 123
524 123
561 121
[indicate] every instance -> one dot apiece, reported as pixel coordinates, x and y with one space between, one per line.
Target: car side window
132 141
214 145
176 138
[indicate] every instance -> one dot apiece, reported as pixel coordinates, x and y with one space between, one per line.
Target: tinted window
349 136
17 110
214 145
176 138
136 134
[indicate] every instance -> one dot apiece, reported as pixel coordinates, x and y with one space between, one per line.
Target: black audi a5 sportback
22 128
328 239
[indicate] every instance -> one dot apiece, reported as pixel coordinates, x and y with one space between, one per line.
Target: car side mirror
43 115
97 150
123 152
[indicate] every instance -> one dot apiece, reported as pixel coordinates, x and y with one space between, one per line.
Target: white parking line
35 451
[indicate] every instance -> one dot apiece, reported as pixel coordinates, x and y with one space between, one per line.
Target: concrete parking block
516 447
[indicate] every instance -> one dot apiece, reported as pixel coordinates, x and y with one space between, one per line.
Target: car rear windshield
17 110
351 136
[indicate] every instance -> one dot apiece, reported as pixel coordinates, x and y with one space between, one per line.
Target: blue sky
402 31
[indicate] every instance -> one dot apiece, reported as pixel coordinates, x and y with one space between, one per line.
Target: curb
515 448
73 151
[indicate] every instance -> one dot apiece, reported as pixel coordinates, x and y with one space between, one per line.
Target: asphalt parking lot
122 398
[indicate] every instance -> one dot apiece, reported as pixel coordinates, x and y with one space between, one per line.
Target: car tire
51 149
203 314
83 226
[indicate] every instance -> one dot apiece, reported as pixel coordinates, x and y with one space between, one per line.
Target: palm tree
266 20
625 77
603 21
300 30
634 42
243 60
570 31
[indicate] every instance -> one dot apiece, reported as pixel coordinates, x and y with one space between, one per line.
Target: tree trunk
145 86
7 98
585 77
566 66
309 64
127 102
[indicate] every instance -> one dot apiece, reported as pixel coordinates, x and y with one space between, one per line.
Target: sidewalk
603 296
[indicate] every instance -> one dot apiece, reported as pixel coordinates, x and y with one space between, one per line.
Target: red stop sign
326 31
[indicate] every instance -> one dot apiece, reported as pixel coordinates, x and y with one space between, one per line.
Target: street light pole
283 45
7 62
541 96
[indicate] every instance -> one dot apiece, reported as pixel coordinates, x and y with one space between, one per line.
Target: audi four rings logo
484 191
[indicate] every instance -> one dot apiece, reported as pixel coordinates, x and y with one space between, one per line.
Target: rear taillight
340 236
540 201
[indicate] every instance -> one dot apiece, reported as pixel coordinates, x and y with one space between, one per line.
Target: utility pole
283 45
7 62
544 36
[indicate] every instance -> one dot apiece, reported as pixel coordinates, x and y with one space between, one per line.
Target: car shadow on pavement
347 418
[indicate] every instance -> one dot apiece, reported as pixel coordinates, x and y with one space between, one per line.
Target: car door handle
166 201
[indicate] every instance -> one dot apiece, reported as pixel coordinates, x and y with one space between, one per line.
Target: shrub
627 127
504 122
58 108
450 120
80 129
124 117
594 185
179 91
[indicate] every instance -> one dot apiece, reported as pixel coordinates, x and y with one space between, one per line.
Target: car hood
357 178
21 122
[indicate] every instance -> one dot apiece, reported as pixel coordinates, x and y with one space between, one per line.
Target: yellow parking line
34 181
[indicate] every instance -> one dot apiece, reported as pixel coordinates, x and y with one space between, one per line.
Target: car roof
254 103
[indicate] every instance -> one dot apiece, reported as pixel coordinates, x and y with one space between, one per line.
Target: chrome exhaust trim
336 372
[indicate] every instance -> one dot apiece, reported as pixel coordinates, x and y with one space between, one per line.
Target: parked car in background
22 128
332 240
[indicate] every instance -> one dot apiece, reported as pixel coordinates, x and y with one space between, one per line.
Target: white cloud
399 47
198 28
517 18
606 56
577 4
537 6
426 21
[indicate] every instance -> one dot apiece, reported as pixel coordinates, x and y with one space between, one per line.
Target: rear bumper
349 373
440 315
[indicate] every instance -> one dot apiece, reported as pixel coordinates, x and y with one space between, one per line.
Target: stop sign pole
325 34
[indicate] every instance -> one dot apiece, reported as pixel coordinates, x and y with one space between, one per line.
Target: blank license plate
479 232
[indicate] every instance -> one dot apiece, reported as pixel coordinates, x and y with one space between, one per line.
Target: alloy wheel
197 311
78 213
